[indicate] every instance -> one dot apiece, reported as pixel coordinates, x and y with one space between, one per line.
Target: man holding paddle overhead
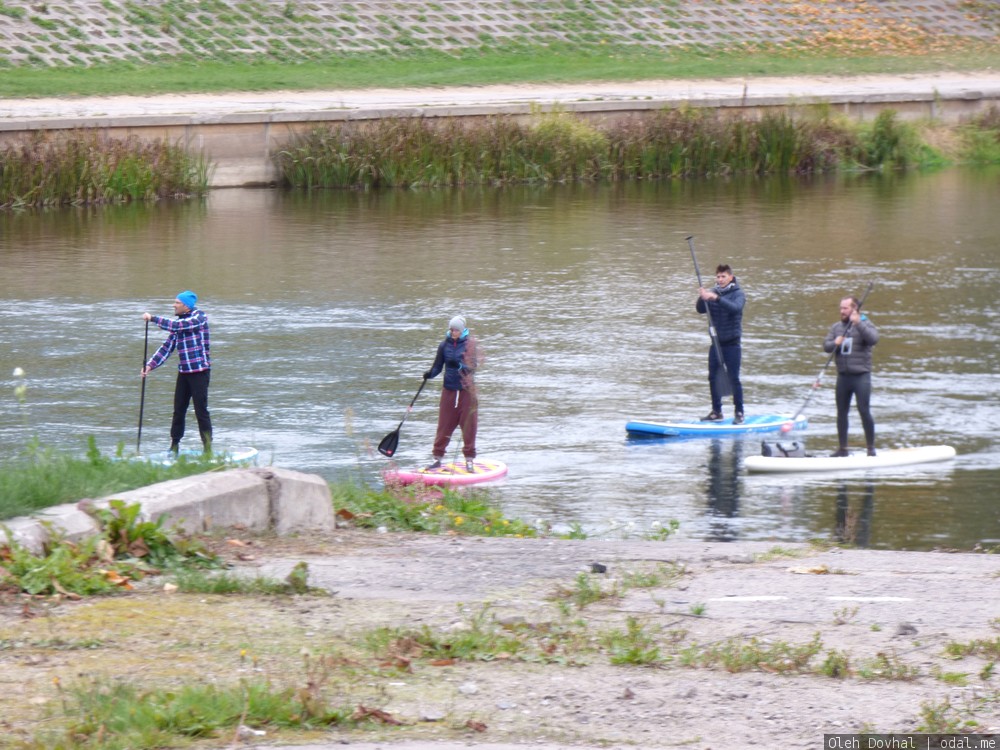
189 336
723 304
459 405
852 339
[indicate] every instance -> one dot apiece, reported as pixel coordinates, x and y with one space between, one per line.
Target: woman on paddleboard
852 338
459 406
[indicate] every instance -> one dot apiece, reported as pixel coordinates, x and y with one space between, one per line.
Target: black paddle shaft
723 385
142 393
388 445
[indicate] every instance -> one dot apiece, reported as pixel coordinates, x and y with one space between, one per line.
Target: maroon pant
457 408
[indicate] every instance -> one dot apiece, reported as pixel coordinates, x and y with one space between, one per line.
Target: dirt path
887 617
801 88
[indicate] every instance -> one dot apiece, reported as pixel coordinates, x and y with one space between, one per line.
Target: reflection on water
723 488
854 520
326 308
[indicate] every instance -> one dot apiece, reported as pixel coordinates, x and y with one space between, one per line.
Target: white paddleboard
856 461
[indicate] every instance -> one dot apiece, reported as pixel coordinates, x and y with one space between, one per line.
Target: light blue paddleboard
696 428
244 456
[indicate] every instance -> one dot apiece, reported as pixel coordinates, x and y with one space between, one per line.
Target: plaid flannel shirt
189 336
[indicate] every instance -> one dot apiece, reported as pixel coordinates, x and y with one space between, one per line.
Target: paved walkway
970 85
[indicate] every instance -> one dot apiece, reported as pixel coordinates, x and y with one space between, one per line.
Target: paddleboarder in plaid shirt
189 336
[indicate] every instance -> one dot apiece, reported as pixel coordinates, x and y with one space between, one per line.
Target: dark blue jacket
458 369
727 312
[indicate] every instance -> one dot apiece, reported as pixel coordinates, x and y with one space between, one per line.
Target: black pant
860 387
192 386
732 355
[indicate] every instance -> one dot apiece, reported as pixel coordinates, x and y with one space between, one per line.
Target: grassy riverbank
42 477
429 69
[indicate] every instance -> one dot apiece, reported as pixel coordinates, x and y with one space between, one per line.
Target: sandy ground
890 614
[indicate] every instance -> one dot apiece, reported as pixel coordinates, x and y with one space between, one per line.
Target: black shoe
433 466
840 453
738 419
175 448
712 416
470 466
871 450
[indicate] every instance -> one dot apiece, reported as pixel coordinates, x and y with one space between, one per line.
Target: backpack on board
783 450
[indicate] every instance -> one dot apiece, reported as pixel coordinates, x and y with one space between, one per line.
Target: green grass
42 477
433 510
526 65
194 581
118 715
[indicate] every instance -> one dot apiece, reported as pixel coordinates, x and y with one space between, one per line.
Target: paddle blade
723 386
389 444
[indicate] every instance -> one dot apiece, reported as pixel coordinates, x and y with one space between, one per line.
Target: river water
327 307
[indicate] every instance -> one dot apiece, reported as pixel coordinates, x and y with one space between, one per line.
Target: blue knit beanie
188 298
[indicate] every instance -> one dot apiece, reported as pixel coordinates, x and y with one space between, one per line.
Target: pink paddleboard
450 473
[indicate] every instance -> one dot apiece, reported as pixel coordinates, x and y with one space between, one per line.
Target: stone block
32 532
237 498
299 502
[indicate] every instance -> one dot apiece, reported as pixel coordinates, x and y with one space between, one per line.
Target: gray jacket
854 355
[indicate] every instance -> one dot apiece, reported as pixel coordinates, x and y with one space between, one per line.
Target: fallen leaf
476 725
397 662
377 714
442 662
345 514
814 570
138 548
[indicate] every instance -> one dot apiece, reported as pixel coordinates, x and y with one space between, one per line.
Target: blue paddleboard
244 456
697 428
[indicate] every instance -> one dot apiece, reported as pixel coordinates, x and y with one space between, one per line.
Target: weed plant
82 168
195 581
127 549
988 649
481 639
418 508
586 590
632 645
885 666
981 138
119 715
739 655
948 718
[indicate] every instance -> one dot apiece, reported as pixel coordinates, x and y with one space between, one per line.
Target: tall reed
83 168
558 147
